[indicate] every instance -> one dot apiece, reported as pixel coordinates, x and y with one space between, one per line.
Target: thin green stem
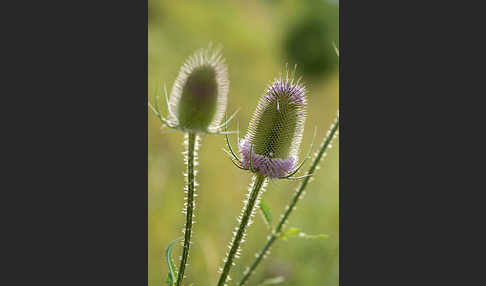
291 206
253 198
189 209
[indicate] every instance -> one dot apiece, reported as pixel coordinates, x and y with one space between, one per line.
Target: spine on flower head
276 129
199 94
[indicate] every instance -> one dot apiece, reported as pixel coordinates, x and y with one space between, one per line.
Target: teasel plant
269 151
197 106
279 232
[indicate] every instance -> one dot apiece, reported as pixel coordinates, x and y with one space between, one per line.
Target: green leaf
172 276
295 232
272 281
291 232
267 215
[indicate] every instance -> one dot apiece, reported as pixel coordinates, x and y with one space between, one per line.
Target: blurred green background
258 39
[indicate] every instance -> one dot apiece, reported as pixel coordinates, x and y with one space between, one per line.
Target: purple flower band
269 167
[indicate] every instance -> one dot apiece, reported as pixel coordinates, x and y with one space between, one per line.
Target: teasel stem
189 208
244 222
297 196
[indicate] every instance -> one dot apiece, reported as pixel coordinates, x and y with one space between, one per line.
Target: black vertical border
74 193
408 215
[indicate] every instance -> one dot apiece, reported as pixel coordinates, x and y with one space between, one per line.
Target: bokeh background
258 37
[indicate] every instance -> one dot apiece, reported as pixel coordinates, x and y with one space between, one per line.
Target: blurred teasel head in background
198 97
199 94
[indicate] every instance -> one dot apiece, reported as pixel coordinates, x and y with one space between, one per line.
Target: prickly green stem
309 174
244 222
298 194
189 209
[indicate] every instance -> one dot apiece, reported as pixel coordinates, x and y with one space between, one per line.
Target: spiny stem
291 206
257 185
309 174
191 140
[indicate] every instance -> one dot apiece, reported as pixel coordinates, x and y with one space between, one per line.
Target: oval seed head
276 128
199 94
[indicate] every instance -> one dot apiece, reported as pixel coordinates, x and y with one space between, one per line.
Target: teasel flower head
274 135
199 94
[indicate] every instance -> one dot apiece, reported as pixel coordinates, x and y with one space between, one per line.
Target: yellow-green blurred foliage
251 33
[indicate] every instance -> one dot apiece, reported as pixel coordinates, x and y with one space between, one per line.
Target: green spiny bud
199 94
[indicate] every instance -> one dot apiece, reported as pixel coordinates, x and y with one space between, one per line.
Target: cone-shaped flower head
199 94
276 129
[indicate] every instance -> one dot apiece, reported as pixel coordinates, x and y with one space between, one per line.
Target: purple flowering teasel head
275 131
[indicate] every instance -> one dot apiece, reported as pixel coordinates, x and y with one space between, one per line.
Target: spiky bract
276 129
199 94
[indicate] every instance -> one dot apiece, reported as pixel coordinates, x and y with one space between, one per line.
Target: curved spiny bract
199 95
276 129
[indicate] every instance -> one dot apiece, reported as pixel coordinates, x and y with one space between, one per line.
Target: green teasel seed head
276 129
199 95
